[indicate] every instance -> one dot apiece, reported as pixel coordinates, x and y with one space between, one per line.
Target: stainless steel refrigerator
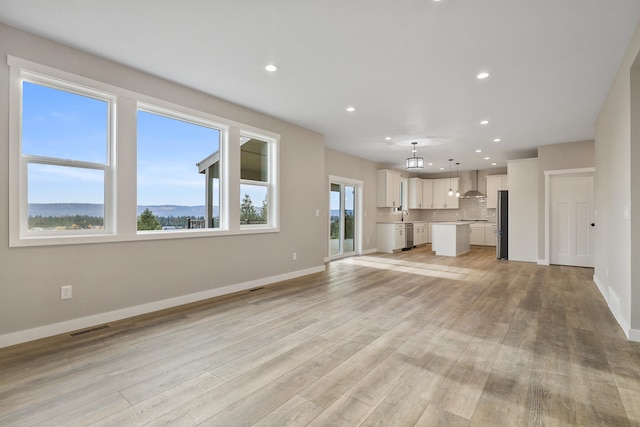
502 226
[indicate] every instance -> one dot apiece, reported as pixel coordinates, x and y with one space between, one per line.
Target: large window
92 162
64 157
178 172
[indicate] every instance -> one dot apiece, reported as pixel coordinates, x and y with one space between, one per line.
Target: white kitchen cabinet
440 188
415 193
441 198
390 237
452 202
427 232
495 183
387 188
477 234
419 233
427 193
490 234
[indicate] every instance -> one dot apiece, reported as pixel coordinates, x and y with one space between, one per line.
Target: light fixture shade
415 162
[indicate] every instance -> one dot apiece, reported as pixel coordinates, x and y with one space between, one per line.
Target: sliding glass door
342 224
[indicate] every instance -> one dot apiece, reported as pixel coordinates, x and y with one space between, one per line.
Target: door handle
593 224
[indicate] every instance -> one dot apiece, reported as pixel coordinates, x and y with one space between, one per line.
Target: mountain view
91 209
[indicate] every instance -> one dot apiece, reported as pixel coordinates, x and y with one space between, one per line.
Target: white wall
523 209
617 234
118 279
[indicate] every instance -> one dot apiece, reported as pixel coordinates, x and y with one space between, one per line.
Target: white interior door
571 219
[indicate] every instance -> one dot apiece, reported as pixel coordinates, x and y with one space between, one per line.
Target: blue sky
64 125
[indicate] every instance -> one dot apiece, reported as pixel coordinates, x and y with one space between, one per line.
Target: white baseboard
613 302
112 316
543 262
369 251
601 287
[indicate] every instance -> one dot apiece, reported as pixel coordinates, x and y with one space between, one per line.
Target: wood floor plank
293 413
383 339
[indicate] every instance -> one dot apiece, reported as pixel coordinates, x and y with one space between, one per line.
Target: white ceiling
407 66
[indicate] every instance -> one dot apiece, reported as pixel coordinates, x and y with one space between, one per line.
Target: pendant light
458 178
415 162
450 187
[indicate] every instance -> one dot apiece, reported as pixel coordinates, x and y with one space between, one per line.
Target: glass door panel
335 243
342 222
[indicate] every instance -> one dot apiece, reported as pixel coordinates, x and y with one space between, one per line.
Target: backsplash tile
469 209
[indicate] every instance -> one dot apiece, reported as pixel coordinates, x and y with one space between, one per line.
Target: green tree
247 210
148 221
264 211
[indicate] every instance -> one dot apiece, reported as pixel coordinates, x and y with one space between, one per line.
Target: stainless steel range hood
473 194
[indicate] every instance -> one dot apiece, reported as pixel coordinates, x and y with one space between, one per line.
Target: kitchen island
450 238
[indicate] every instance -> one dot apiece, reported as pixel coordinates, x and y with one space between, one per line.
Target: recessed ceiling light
497 140
271 68
430 164
351 109
493 164
441 169
484 122
483 75
478 151
388 138
487 158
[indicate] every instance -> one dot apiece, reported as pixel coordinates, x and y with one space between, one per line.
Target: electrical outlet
295 256
66 292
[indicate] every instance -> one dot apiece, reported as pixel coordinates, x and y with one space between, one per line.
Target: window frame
120 195
22 161
272 200
198 120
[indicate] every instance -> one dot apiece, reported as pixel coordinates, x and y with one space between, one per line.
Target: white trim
112 316
118 204
600 286
370 251
547 212
609 295
543 262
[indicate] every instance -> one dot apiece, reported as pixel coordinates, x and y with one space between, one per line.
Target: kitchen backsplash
469 209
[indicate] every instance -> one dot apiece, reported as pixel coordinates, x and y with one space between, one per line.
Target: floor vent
256 289
87 331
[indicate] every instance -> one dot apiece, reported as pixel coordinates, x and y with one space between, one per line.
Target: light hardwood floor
404 339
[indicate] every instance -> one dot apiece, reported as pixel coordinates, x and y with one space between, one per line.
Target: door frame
359 185
547 202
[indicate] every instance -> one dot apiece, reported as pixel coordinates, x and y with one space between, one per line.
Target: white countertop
454 223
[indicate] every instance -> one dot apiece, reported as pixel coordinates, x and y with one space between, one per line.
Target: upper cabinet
441 197
416 199
427 193
387 188
433 193
495 183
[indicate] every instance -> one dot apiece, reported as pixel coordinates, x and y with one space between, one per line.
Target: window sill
139 236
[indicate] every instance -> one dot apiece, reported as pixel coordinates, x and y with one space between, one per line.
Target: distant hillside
92 209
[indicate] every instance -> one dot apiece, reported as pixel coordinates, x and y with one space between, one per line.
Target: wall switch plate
66 292
295 256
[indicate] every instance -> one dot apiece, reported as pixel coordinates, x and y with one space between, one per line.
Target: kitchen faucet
403 215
